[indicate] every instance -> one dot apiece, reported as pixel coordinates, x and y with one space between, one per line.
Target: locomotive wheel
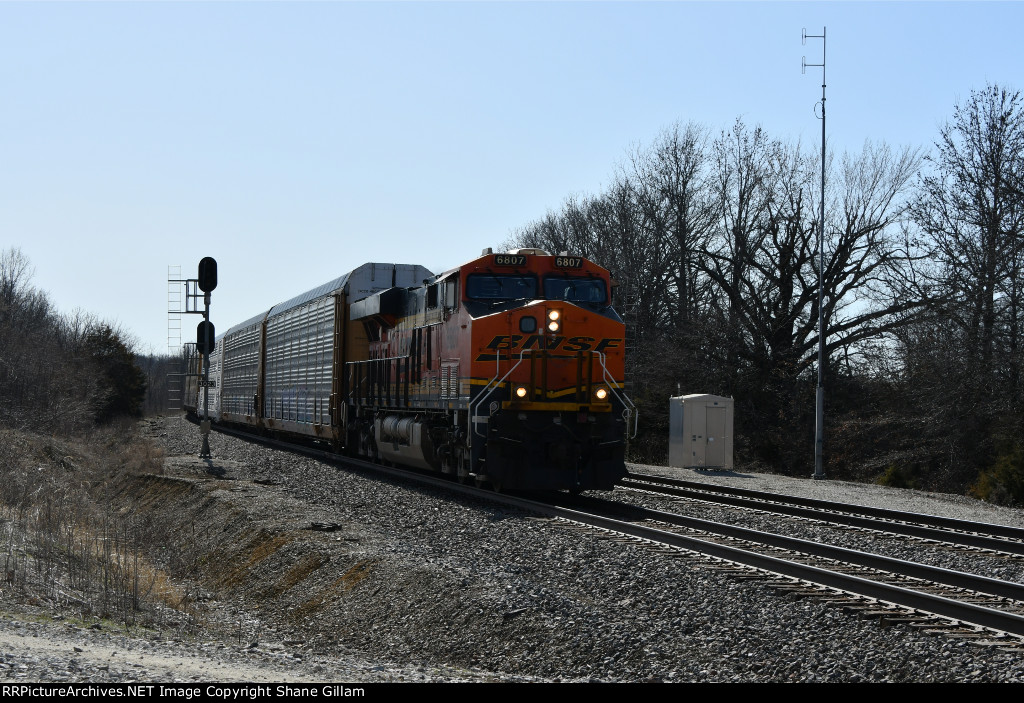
488 482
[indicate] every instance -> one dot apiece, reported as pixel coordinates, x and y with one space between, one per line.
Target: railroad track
989 611
1003 539
898 590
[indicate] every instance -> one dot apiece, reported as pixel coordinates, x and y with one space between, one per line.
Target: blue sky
294 141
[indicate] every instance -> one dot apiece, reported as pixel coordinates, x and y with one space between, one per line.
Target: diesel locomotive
507 371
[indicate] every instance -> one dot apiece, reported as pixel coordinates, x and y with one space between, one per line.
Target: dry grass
62 542
336 588
357 573
260 546
297 574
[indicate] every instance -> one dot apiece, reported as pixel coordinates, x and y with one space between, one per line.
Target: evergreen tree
122 383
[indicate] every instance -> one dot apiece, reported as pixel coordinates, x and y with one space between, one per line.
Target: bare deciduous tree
56 371
971 206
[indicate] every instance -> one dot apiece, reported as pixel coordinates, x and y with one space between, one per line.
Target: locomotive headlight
554 320
601 393
521 391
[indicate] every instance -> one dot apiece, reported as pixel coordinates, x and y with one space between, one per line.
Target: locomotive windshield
493 286
575 289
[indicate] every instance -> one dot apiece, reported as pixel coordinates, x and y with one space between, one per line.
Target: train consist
507 370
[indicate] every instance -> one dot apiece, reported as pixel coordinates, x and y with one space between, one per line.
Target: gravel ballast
409 584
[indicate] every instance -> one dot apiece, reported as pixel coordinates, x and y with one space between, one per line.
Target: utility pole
819 413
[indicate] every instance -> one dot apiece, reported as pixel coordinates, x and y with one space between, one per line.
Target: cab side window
451 293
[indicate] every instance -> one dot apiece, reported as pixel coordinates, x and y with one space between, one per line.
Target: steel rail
897 595
934 527
935 574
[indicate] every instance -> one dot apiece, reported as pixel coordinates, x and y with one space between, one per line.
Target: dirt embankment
207 552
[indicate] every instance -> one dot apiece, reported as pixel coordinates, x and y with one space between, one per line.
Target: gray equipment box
700 432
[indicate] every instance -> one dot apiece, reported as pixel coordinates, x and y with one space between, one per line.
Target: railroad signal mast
205 341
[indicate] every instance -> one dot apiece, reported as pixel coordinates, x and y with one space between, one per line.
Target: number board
509 260
568 262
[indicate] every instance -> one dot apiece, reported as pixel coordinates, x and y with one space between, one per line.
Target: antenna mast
819 414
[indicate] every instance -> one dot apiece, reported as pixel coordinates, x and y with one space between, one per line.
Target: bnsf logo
538 341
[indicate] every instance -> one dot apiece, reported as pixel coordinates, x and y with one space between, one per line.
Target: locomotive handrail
380 383
491 386
623 398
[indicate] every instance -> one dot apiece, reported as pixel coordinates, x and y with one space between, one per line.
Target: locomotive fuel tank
404 440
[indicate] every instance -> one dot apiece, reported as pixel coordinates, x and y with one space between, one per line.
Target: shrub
1003 482
898 477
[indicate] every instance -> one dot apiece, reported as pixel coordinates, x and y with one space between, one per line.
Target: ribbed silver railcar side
216 373
194 399
299 358
240 375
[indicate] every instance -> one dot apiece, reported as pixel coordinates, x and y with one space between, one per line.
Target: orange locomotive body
507 370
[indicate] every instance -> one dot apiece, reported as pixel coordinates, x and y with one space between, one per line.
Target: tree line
60 373
712 239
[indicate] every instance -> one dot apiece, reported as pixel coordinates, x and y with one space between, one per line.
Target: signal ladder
182 297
